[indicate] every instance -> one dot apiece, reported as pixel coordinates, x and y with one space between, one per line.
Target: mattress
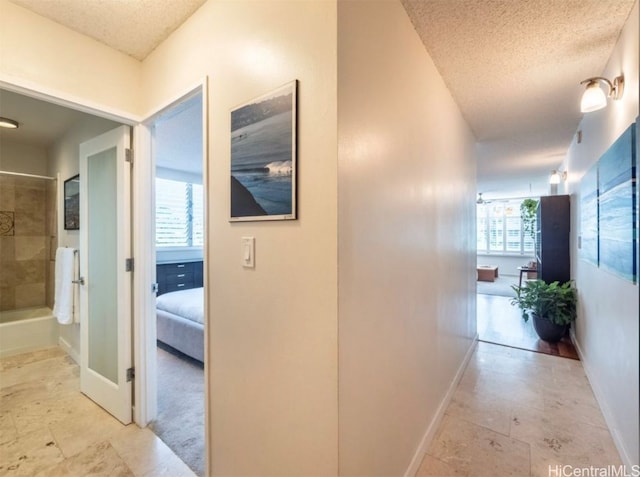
188 304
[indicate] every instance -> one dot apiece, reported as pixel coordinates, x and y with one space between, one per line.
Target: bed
180 321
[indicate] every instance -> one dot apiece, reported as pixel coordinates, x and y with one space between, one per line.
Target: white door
105 295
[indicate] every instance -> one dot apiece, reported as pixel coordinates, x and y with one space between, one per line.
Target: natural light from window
500 229
179 214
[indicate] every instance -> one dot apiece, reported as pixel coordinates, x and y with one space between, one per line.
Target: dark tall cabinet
552 239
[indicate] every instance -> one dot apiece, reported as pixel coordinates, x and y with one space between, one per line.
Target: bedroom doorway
177 151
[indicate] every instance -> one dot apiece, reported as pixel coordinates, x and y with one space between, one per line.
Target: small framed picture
72 203
263 157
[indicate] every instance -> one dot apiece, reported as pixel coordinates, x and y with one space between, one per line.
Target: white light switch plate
248 252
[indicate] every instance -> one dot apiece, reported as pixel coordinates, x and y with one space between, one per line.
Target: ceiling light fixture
594 97
8 123
480 199
556 177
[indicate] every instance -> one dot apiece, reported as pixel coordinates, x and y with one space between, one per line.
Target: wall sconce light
556 177
8 123
594 98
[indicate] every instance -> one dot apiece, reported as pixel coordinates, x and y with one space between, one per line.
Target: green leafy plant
553 301
528 212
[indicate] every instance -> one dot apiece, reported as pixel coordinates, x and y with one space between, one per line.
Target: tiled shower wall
27 241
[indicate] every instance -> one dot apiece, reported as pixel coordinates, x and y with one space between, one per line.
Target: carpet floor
180 420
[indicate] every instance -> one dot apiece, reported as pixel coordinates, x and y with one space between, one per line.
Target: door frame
145 384
142 206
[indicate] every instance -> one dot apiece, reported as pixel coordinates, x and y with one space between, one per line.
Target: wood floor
501 323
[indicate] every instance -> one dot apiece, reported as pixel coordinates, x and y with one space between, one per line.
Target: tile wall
27 241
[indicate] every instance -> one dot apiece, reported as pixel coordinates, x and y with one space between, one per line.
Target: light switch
248 252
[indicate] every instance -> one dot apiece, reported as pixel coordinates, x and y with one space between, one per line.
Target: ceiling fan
481 200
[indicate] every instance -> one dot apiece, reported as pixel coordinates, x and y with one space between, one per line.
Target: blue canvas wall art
589 216
617 199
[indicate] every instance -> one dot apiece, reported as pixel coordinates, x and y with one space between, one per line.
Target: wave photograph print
263 157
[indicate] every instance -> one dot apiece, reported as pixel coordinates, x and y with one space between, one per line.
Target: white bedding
186 303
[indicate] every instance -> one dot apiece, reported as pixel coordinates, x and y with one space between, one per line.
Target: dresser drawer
180 277
170 287
176 267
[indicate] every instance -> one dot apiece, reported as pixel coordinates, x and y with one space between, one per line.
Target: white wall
64 158
272 345
406 239
35 51
23 158
607 326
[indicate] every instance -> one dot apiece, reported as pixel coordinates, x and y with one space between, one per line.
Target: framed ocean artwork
589 216
617 207
263 157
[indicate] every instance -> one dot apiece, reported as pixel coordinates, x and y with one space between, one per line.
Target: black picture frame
72 203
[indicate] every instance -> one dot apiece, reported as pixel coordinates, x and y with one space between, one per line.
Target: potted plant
529 214
553 306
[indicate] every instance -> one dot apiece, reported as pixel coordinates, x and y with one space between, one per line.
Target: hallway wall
607 327
272 338
407 245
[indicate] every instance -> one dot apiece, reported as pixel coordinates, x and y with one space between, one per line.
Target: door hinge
128 265
128 155
131 374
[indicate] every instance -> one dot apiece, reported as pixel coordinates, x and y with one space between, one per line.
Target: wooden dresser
178 276
552 238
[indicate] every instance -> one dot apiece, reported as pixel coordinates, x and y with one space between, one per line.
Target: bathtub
27 329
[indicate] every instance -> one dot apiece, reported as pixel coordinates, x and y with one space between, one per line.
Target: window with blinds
500 229
179 214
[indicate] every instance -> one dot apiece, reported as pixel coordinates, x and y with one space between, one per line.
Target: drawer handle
181 265
180 285
181 275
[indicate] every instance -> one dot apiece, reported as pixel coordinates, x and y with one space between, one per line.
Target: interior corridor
516 413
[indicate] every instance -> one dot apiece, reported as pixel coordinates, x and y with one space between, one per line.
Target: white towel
63 299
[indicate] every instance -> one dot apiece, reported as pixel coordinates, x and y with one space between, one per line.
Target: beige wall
406 238
35 51
272 331
23 158
607 326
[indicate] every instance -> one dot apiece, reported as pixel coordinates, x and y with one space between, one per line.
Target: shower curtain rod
35 176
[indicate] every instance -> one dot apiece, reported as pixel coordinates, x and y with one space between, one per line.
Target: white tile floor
515 413
48 428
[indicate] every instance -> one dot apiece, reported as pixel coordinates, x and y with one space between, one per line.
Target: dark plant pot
546 330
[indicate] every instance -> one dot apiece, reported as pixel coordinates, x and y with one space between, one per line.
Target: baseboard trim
606 411
67 348
430 433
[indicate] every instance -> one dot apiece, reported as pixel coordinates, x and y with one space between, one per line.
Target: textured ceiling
514 68
41 123
134 27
